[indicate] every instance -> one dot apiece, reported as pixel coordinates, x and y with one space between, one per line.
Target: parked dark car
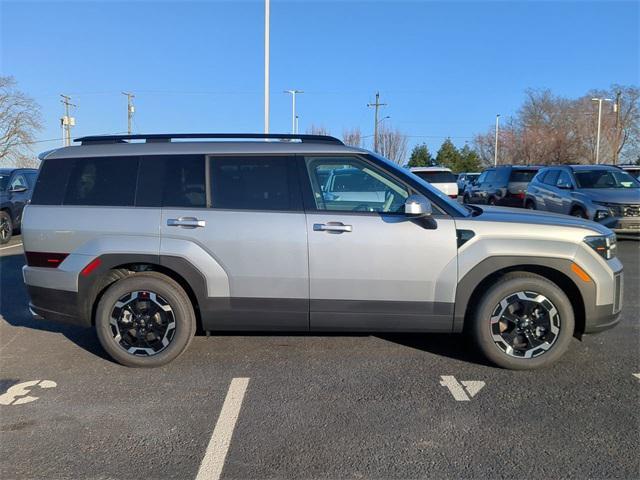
16 186
465 180
503 185
603 193
633 170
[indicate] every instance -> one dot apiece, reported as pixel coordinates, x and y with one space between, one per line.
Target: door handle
186 222
335 227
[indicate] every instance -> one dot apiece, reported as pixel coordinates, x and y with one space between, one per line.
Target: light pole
294 128
495 147
599 100
266 65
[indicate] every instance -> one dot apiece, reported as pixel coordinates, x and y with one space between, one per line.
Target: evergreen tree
469 161
420 157
448 156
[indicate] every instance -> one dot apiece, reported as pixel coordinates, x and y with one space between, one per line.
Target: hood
611 195
536 217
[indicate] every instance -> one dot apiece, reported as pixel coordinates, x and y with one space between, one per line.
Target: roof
163 144
585 167
430 169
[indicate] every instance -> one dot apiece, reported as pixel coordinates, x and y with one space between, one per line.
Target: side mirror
417 206
18 189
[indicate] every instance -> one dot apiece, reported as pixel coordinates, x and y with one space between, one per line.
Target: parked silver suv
148 239
603 193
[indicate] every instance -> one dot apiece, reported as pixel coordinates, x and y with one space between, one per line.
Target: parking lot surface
358 406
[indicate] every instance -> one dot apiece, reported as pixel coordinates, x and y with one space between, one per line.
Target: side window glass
551 177
254 183
564 181
481 178
353 185
102 181
184 182
491 176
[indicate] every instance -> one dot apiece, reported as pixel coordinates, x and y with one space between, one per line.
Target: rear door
370 267
549 191
245 214
19 193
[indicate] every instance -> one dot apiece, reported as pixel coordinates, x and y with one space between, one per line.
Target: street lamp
266 65
599 100
294 129
383 119
495 147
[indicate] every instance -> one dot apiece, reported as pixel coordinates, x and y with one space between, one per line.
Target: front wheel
145 320
523 322
6 227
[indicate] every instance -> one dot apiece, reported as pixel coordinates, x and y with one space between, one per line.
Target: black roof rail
168 137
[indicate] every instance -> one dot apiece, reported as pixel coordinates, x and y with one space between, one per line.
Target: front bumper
604 317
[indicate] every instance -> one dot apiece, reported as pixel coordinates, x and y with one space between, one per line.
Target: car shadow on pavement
14 308
455 346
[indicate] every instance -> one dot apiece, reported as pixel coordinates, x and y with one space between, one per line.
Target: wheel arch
113 267
486 273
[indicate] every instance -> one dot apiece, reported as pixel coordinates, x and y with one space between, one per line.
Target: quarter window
353 185
254 183
102 181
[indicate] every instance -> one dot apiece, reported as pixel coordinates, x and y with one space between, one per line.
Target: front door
371 268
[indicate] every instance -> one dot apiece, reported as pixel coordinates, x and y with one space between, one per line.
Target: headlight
600 214
604 245
613 209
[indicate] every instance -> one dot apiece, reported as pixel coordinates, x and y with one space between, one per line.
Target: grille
631 210
617 302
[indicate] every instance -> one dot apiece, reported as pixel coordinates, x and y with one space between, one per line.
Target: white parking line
213 461
11 246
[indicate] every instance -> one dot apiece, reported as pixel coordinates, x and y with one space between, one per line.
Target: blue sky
444 68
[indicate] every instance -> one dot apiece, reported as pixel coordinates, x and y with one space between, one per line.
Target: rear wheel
6 227
145 320
523 322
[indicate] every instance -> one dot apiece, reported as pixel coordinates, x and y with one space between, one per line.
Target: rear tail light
453 196
45 259
518 195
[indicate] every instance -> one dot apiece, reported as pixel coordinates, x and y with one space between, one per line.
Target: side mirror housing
417 206
18 190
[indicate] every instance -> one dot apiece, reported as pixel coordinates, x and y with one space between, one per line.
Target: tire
509 292
530 205
6 227
491 201
159 292
465 198
578 212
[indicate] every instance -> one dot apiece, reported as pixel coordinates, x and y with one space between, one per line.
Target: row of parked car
603 193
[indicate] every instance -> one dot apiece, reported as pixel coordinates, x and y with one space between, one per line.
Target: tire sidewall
172 293
4 216
482 321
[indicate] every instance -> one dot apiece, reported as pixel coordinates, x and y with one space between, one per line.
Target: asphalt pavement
329 406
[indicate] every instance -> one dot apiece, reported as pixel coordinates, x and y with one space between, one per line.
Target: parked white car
441 178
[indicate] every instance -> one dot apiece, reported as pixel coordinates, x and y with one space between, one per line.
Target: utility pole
599 100
294 128
297 122
67 121
130 110
377 105
266 65
616 146
495 147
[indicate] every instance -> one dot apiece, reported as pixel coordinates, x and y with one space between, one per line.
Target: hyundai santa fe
147 238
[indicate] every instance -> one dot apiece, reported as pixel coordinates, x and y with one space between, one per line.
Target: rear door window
184 182
254 183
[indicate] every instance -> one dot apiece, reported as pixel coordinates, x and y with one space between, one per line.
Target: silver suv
603 193
148 239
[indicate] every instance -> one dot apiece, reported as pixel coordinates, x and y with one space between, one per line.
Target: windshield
4 180
466 212
605 179
436 176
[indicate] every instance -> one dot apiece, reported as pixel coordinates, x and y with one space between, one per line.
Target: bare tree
317 130
352 137
392 144
19 121
553 130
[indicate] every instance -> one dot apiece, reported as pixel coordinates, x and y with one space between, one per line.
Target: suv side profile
603 193
16 186
150 239
503 185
